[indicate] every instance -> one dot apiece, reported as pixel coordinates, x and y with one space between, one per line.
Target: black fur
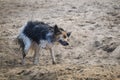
37 31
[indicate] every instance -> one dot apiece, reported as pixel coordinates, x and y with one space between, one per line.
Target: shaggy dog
36 35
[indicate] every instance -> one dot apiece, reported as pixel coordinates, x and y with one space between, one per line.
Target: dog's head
61 35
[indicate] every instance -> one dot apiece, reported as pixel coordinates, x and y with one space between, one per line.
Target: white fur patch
26 40
49 34
45 44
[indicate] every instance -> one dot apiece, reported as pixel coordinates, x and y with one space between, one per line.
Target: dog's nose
66 44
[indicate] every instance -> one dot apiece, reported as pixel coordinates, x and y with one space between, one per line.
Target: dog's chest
45 44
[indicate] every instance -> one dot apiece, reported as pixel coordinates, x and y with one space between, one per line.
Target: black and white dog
36 35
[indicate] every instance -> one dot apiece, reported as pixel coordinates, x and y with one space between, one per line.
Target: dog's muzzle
64 43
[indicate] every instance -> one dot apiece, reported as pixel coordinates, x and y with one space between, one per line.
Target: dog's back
36 31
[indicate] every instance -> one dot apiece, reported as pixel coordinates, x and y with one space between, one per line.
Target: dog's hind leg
22 46
23 57
26 49
52 55
36 53
25 44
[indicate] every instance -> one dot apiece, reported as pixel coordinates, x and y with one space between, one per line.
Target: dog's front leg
52 55
36 55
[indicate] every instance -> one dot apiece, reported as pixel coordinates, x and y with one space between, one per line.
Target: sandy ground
94 51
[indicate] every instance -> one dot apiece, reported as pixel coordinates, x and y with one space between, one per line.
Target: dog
36 35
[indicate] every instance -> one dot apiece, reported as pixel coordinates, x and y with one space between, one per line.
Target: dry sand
94 51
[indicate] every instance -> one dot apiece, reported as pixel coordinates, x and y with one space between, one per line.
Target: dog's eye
64 36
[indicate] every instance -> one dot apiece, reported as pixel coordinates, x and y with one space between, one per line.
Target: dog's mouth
64 43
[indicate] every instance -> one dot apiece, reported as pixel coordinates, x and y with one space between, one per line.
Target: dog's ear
68 34
56 30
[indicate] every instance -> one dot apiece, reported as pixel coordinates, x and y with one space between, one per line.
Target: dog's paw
54 63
